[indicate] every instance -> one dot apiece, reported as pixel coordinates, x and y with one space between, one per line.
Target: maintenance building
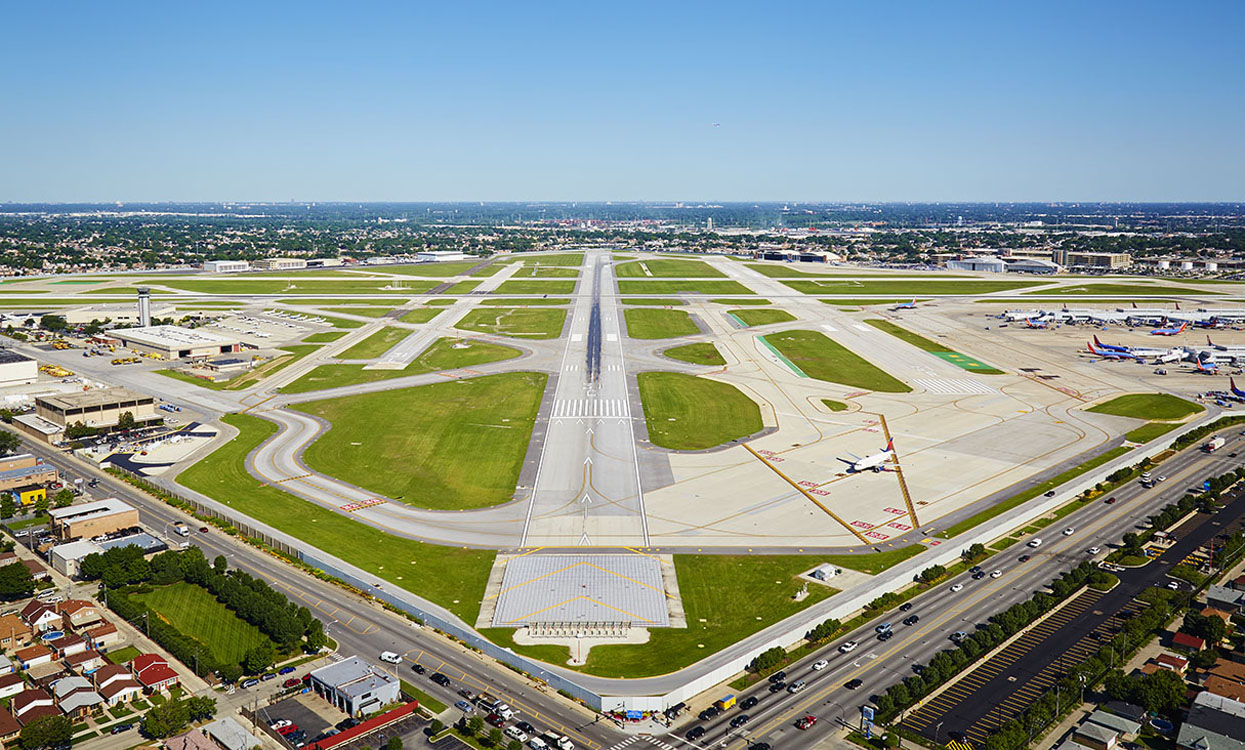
17 369
26 478
439 255
175 342
226 266
101 407
355 686
88 520
279 264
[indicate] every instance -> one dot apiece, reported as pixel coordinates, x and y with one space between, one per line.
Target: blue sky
875 101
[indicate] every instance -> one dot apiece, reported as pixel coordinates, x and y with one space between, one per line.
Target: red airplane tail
890 446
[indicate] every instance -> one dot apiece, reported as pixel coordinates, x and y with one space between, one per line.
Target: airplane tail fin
1134 304
1208 341
1096 341
1177 305
890 445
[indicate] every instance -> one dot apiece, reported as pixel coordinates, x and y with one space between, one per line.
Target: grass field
697 354
247 379
933 347
420 315
1148 406
538 323
323 337
196 613
875 562
726 598
532 286
554 259
685 412
653 302
787 272
656 323
1123 290
123 655
834 405
669 268
436 269
709 286
1150 431
520 301
463 287
441 355
321 287
545 272
377 344
974 520
825 359
906 287
450 576
445 446
762 317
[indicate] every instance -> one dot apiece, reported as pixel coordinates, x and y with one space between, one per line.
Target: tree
973 553
231 672
1162 691
52 323
79 430
9 443
474 725
1204 659
165 720
125 421
64 498
514 745
495 738
1208 627
768 659
8 506
41 505
48 732
436 727
258 658
201 708
394 743
15 581
220 564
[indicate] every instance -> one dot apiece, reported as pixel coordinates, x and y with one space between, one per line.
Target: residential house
79 613
10 728
1227 679
195 739
68 644
154 672
1239 583
1124 726
31 704
103 634
11 684
38 570
1230 600
14 632
84 662
76 696
33 656
6 665
1188 642
1095 736
115 684
1177 664
1209 611
42 617
1213 723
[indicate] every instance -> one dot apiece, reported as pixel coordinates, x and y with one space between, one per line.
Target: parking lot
410 728
310 713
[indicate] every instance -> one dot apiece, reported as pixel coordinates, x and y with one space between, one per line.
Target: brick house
153 672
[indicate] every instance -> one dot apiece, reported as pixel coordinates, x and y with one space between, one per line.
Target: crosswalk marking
589 407
954 386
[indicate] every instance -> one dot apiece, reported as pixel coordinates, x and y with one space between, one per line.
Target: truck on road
560 741
1214 444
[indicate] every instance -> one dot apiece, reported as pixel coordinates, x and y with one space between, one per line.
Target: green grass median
1148 406
516 322
443 354
686 412
769 317
657 323
820 357
696 354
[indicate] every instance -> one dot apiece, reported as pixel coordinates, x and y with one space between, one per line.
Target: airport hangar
175 342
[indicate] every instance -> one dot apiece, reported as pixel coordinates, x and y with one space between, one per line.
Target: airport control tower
144 307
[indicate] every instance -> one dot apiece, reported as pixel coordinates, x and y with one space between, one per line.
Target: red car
495 720
288 729
806 722
292 682
1110 501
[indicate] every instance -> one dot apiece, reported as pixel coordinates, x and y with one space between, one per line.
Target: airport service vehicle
1035 543
515 733
820 665
390 657
806 722
957 586
848 647
873 462
1214 444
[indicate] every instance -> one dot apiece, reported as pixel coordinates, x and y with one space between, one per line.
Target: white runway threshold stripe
954 386
589 407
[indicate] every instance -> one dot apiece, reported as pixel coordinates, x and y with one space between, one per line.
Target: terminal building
279 264
439 255
88 520
354 686
226 266
175 342
17 369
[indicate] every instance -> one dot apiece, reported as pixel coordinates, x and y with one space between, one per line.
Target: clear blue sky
591 101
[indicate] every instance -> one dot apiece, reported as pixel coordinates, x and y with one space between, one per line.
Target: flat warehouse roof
99 397
104 507
171 337
8 356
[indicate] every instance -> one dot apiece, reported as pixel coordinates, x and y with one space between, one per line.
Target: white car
537 743
390 657
957 586
820 665
1035 543
1162 478
1093 550
515 733
1069 531
848 647
997 574
281 723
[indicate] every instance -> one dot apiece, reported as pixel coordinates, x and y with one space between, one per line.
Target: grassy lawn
424 699
342 322
683 287
196 613
727 301
247 379
441 355
323 337
519 301
979 518
463 287
762 317
123 656
697 354
27 523
834 405
450 576
874 562
1148 406
556 259
377 344
655 323
669 268
446 446
825 359
787 272
685 412
540 323
1124 290
1150 431
369 311
908 287
726 597
545 272
653 301
436 269
525 286
321 287
420 315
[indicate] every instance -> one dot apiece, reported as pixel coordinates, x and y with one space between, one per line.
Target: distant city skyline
723 102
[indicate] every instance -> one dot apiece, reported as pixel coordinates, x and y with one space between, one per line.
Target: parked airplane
1031 323
1109 353
1169 331
1236 391
1207 367
874 462
905 305
1109 347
